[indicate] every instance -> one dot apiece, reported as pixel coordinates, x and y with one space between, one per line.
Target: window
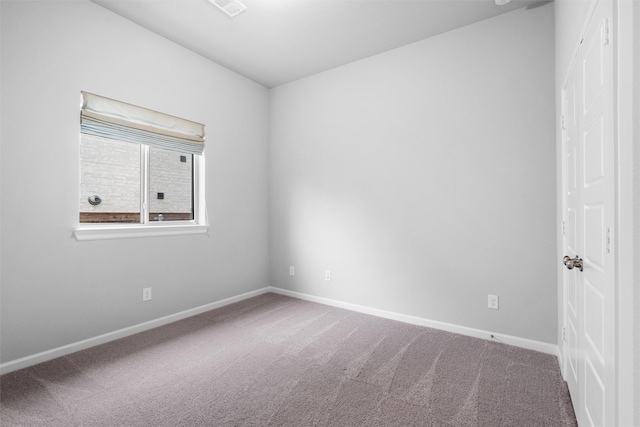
141 172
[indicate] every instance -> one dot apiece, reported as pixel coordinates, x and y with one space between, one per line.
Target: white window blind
118 120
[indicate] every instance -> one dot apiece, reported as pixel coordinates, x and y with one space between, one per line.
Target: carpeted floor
278 361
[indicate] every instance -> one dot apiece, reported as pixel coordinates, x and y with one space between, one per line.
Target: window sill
105 232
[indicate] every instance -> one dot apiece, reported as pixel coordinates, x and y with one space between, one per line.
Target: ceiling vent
230 7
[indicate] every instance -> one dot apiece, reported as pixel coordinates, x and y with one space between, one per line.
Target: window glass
170 185
109 180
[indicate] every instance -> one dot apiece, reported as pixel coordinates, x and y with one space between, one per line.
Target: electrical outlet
146 294
292 271
493 302
327 275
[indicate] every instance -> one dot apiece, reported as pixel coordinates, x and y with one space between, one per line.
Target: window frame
145 228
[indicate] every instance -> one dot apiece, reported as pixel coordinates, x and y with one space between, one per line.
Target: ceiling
279 41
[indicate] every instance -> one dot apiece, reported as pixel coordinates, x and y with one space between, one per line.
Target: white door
588 203
571 207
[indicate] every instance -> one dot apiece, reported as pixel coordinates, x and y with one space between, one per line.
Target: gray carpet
278 361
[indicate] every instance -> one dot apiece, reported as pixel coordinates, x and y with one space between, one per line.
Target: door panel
593 153
594 397
593 324
593 236
571 350
592 51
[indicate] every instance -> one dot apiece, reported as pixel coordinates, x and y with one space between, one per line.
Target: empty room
320 213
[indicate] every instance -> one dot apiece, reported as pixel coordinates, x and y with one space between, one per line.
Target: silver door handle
573 262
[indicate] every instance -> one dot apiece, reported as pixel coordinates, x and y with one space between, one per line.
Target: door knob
572 262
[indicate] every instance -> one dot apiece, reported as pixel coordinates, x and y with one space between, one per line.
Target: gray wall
57 291
424 178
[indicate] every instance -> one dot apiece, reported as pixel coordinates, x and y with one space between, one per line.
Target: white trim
104 232
199 199
562 319
44 356
624 243
449 327
560 358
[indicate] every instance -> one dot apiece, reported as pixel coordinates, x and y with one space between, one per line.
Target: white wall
424 178
57 291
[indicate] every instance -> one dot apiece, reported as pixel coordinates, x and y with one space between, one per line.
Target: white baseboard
463 330
44 356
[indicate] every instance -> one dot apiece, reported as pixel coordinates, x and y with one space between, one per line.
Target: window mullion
144 184
195 196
